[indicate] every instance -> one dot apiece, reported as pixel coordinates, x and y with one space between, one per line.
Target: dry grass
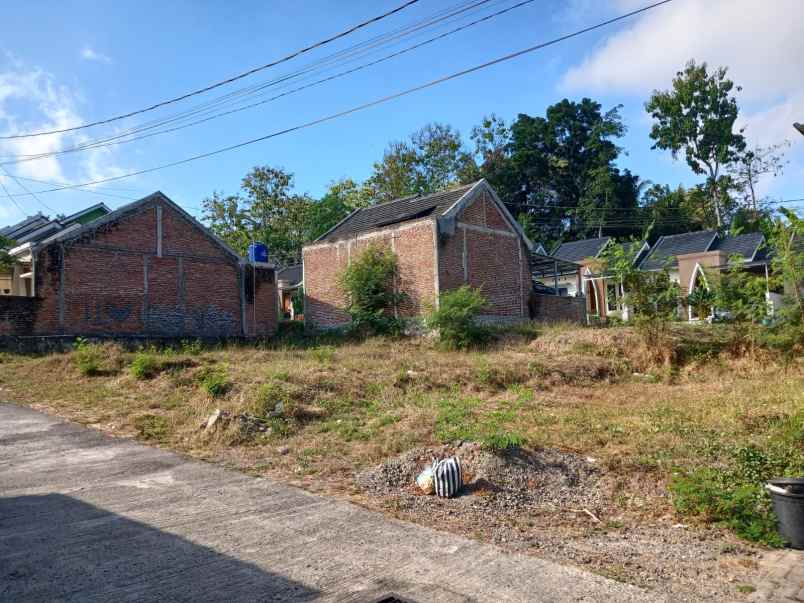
348 405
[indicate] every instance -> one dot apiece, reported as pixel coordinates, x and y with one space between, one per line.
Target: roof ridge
423 196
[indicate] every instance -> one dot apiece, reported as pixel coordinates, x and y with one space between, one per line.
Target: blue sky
63 64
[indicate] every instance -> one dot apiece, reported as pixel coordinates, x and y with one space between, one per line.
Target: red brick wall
486 253
413 244
113 282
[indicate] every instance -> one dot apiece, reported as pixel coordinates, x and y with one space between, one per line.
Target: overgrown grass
698 440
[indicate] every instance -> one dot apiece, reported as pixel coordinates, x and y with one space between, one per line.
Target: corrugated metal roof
395 212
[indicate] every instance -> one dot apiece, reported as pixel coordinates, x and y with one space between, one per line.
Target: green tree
6 261
751 167
432 159
696 117
550 166
266 209
368 283
668 211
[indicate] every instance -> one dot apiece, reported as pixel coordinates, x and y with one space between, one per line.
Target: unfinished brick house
442 241
145 269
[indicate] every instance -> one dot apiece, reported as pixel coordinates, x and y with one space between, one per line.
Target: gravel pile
511 481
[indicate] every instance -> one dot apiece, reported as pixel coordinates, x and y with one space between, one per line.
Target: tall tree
696 117
432 159
549 166
752 166
266 210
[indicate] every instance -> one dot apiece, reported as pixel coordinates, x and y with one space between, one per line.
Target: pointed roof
121 212
667 248
576 251
444 205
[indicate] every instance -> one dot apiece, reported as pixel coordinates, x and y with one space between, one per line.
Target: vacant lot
576 448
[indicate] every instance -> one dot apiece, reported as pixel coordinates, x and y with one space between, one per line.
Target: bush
455 318
151 427
144 366
735 497
214 381
368 284
88 357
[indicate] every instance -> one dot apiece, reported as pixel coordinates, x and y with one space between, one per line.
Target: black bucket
789 508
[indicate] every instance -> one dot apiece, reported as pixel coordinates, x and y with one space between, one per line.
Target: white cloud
32 100
760 42
89 54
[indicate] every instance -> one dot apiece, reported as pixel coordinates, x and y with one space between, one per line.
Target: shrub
323 354
214 381
191 347
88 357
151 427
455 318
145 365
368 284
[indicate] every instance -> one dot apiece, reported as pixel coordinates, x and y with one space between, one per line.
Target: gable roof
745 245
668 247
290 274
444 206
39 228
74 233
395 212
575 251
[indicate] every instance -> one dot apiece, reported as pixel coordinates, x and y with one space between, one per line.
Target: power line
222 82
26 189
375 102
283 94
10 198
228 98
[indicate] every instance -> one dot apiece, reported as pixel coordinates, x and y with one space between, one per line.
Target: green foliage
6 261
464 419
559 162
734 495
191 347
152 427
214 381
701 300
265 210
369 286
323 354
431 160
145 365
696 117
88 357
741 507
653 297
455 318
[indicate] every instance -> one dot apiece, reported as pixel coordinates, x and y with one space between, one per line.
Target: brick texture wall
413 244
126 279
556 308
486 253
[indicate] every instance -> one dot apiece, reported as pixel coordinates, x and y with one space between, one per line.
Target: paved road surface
86 517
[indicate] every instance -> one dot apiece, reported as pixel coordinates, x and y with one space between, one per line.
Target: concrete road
86 517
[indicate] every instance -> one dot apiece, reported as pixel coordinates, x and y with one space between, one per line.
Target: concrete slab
86 517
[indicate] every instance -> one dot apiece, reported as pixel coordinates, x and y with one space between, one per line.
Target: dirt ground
587 433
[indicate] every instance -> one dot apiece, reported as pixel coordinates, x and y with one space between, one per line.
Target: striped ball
447 476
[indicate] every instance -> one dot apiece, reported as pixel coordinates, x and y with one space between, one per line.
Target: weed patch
214 381
151 427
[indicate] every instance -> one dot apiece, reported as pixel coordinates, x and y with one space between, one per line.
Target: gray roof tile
395 212
745 245
575 251
668 247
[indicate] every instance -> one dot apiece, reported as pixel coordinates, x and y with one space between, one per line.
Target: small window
612 297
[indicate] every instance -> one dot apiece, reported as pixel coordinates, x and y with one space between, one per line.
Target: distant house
145 269
604 297
288 284
464 235
33 231
690 255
